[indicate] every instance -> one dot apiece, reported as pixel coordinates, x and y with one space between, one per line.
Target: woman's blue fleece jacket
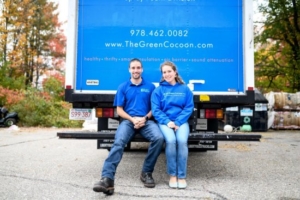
172 103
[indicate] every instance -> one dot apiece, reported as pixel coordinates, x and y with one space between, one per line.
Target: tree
54 86
277 60
29 30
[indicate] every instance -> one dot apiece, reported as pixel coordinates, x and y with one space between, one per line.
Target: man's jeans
124 134
176 149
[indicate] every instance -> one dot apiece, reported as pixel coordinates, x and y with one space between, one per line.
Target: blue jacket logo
174 94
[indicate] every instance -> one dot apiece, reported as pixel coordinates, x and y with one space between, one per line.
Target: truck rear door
203 38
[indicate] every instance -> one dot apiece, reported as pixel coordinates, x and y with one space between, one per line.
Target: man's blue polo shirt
135 99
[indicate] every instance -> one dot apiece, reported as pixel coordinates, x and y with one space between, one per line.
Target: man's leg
123 135
152 133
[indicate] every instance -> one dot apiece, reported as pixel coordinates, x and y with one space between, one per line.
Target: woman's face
168 74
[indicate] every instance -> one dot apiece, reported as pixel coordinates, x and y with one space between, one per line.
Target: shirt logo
145 90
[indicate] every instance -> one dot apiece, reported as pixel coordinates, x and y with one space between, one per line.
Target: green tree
54 86
38 109
277 60
8 81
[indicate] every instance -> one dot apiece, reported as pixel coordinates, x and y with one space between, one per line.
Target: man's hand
139 122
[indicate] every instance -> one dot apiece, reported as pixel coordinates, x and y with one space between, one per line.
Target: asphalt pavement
36 164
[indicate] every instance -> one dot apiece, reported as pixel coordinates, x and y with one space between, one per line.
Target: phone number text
159 33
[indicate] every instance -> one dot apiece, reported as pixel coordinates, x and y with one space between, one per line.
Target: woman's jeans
124 134
176 149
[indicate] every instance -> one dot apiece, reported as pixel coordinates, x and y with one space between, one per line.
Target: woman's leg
170 149
182 135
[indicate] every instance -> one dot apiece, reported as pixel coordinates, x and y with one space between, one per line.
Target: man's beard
136 76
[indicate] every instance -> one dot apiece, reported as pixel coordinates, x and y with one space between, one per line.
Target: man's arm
124 114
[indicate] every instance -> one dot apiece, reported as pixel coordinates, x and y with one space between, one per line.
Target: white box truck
210 41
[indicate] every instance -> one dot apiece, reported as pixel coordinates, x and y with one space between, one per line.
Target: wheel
10 122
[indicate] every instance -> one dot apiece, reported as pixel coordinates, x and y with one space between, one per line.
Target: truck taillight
213 113
220 114
210 113
105 112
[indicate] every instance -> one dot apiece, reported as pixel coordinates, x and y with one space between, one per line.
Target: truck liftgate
197 141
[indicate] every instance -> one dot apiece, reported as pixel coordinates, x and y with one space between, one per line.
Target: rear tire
10 121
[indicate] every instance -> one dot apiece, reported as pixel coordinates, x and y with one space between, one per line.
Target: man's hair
135 59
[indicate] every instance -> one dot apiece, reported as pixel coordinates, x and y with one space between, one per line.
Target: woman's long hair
178 79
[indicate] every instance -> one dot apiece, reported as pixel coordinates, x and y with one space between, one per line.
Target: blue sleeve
187 110
157 113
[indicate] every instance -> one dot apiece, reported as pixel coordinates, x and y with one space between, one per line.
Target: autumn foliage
32 59
32 40
10 97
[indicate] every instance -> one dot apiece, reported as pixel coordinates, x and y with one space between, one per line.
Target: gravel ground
35 164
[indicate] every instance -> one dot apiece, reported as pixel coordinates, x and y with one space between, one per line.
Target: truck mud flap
139 138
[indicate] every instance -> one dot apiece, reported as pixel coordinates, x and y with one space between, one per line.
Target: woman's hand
171 124
176 128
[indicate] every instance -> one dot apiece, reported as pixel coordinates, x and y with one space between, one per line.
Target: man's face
135 69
